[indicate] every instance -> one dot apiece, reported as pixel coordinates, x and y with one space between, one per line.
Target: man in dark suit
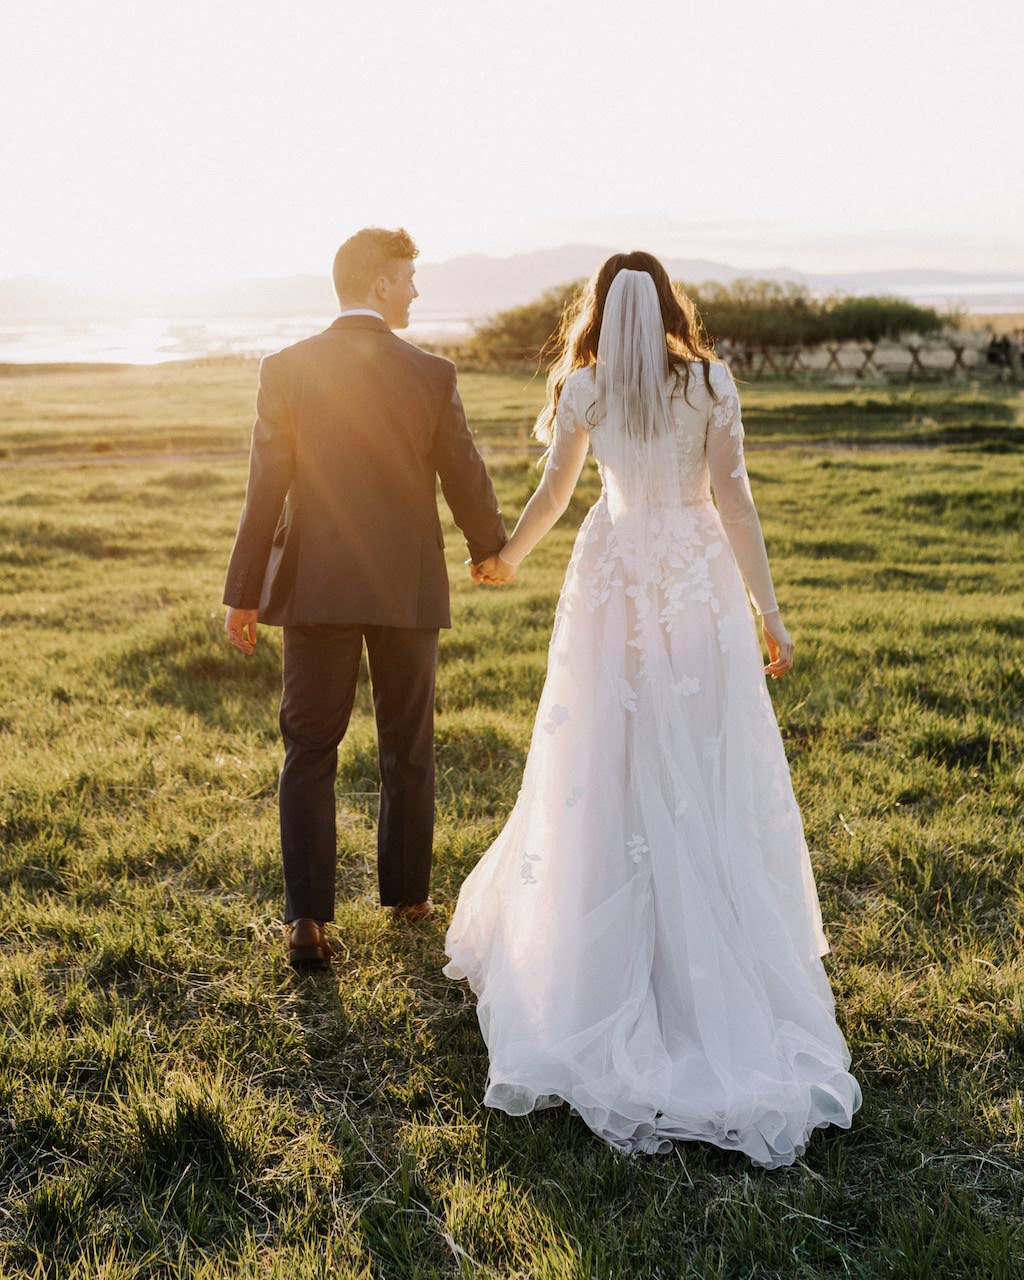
339 543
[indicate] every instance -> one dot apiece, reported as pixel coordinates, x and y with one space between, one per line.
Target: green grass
206 406
173 1101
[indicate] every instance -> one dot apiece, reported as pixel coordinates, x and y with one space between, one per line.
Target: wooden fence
959 358
863 361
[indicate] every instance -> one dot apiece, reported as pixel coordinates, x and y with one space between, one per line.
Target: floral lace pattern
557 716
637 847
526 869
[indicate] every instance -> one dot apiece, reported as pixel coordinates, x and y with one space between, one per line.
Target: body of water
155 340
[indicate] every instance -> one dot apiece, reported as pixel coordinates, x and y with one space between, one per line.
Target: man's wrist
478 557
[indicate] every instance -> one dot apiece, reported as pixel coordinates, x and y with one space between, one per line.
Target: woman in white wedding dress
644 937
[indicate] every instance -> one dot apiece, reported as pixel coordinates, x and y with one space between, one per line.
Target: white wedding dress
644 936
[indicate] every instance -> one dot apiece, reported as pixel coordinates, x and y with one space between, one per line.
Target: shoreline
972 326
13 368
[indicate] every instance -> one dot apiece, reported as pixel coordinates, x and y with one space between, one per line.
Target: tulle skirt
644 937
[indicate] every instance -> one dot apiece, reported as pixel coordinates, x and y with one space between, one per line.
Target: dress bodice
678 473
650 490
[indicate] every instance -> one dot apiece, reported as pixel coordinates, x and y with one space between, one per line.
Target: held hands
780 645
493 571
240 626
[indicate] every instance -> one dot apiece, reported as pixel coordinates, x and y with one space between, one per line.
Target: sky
214 139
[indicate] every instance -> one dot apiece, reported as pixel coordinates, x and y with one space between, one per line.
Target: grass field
173 1101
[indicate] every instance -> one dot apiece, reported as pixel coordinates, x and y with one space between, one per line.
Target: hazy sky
216 138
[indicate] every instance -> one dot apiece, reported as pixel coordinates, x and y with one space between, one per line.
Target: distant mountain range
472 286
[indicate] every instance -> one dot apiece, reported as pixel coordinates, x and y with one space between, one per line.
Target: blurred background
178 178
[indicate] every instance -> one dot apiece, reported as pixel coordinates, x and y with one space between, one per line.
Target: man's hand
240 626
493 571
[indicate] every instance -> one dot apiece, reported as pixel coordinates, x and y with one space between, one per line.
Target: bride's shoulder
719 377
684 388
578 388
582 377
720 373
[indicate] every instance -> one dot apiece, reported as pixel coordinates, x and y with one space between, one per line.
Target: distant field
207 406
997 322
174 1102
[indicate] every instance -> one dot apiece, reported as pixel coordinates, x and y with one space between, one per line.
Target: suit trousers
321 670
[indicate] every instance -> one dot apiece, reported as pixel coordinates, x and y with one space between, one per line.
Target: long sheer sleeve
728 471
569 444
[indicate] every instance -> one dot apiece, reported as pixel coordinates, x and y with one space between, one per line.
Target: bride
644 937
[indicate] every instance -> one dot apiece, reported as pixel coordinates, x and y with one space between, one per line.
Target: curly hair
367 255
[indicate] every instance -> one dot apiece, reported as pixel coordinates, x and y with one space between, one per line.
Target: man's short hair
368 254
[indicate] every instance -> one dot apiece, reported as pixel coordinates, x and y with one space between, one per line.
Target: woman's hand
493 571
780 645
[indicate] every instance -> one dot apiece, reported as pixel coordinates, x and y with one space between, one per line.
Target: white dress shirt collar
360 311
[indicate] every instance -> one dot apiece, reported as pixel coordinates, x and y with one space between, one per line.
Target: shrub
759 313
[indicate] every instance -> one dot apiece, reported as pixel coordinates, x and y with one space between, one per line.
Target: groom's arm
271 466
465 483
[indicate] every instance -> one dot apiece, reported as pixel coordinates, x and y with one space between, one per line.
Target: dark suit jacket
340 524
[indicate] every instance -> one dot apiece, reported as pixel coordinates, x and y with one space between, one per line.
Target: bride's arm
727 467
549 501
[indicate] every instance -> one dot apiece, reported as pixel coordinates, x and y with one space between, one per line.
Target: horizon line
180 279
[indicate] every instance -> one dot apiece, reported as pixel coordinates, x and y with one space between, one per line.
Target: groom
339 543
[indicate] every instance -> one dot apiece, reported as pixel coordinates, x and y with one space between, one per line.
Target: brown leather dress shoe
412 911
308 947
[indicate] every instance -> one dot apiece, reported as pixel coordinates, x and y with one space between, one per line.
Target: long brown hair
575 342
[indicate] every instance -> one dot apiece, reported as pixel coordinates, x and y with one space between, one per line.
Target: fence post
796 364
869 362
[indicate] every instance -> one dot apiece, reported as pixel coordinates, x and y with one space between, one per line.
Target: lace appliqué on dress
637 848
557 716
526 870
